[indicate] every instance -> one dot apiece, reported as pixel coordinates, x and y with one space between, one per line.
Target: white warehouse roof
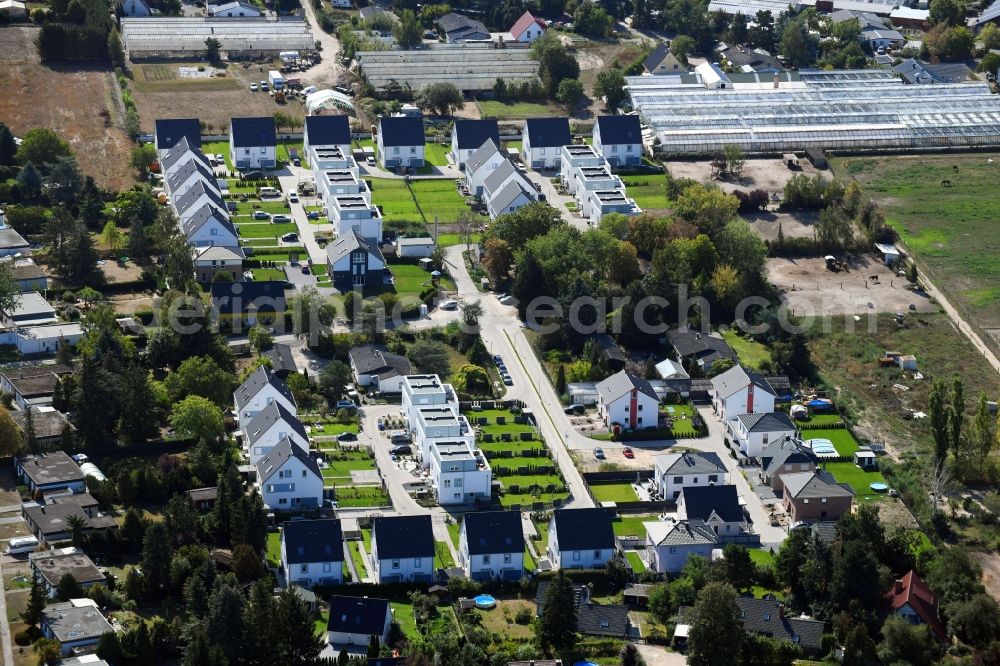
152 35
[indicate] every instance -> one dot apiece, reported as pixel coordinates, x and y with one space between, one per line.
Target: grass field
438 197
496 621
359 562
410 279
761 556
613 492
395 199
218 147
948 228
859 480
750 353
268 274
273 549
820 419
447 240
631 525
351 496
682 426
842 439
402 613
495 109
436 154
636 561
442 555
265 229
648 190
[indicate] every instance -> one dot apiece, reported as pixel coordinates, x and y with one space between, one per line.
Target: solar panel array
148 36
847 110
470 67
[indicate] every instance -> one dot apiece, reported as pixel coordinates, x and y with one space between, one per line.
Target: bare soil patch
73 100
810 289
769 174
990 562
793 225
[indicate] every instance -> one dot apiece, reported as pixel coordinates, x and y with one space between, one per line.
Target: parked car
574 410
799 524
297 162
370 161
403 450
290 238
305 270
293 197
261 215
628 453
264 86
347 437
253 87
449 305
507 381
312 215
498 359
345 404
281 218
599 453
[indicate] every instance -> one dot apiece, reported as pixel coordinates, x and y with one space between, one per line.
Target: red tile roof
522 23
910 589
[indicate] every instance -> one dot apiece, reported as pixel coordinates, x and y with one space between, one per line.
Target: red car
627 452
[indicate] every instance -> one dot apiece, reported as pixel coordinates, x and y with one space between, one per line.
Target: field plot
752 354
73 100
841 438
648 190
495 109
438 198
394 198
179 77
945 209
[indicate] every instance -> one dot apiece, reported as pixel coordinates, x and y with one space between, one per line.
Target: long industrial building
857 110
180 37
470 66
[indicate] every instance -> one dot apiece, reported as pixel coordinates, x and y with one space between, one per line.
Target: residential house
481 164
910 17
611 353
289 478
31 309
210 261
199 193
439 423
425 391
768 617
718 507
491 546
507 189
258 391
619 139
186 174
782 457
28 275
815 495
604 620
874 32
373 365
400 142
181 153
203 498
354 212
403 549
135 8
595 204
574 156
49 472
48 423
273 424
458 28
46 340
323 158
527 28
50 521
332 183
354 620
282 360
253 143
739 391
753 432
76 624
912 600
587 178
628 401
243 304
49 566
670 543
459 473
879 40
32 384
12 243
542 141
234 10
915 71
581 538
749 61
312 552
662 61
468 135
327 132
675 471
168 131
354 263
694 347
210 226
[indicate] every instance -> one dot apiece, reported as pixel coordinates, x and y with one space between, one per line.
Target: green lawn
410 280
447 240
454 531
631 525
218 147
761 556
859 480
265 229
636 562
268 274
750 353
443 558
436 154
274 549
495 109
613 492
508 500
438 197
682 425
359 562
395 199
366 537
842 439
529 561
948 228
542 542
820 419
402 612
648 190
284 153
343 468
351 496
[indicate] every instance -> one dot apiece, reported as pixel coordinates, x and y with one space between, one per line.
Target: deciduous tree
198 418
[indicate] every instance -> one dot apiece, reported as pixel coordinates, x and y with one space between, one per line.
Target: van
400 437
21 545
269 192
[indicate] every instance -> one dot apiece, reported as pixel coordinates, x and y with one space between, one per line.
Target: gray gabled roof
499 175
282 452
680 533
767 422
782 451
375 360
186 201
508 194
199 217
767 617
655 57
188 169
267 417
737 378
814 484
701 502
168 158
698 462
348 243
256 382
481 156
618 384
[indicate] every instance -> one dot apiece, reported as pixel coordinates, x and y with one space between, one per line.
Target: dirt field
793 225
161 92
810 289
66 98
769 174
594 57
990 562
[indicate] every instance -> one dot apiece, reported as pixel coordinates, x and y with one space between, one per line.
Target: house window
640 408
458 483
416 562
486 559
413 150
283 500
447 483
673 550
304 568
576 556
678 479
246 151
712 478
506 558
395 564
795 638
597 554
213 232
805 501
640 419
327 567
766 437
767 616
303 474
823 501
628 148
395 151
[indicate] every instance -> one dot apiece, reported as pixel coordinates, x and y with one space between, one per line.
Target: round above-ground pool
585 663
878 486
485 601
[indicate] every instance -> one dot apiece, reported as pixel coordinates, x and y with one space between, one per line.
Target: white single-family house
403 549
354 620
527 28
259 390
581 538
400 142
740 391
669 543
542 140
273 424
717 506
253 143
619 139
628 401
373 365
491 545
312 552
481 164
676 471
753 432
289 479
468 135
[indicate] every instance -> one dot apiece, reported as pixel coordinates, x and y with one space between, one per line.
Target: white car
293 197
449 305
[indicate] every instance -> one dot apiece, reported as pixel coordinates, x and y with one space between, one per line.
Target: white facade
440 423
424 391
752 444
415 247
293 486
264 397
492 566
499 205
353 211
44 340
667 555
404 569
575 559
267 440
721 527
337 158
135 8
307 574
213 233
598 203
391 157
474 180
331 183
750 399
618 153
360 639
235 10
458 475
575 156
669 485
634 409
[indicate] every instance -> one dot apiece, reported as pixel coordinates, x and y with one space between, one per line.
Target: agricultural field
73 100
944 208
648 190
168 78
534 478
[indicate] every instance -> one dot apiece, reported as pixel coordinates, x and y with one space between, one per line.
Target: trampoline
485 601
822 448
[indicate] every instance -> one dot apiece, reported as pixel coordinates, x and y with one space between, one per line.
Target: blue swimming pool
878 486
485 601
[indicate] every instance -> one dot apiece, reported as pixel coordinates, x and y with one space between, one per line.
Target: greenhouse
845 110
470 67
181 37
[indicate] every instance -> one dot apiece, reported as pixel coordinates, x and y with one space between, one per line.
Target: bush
524 616
22 638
